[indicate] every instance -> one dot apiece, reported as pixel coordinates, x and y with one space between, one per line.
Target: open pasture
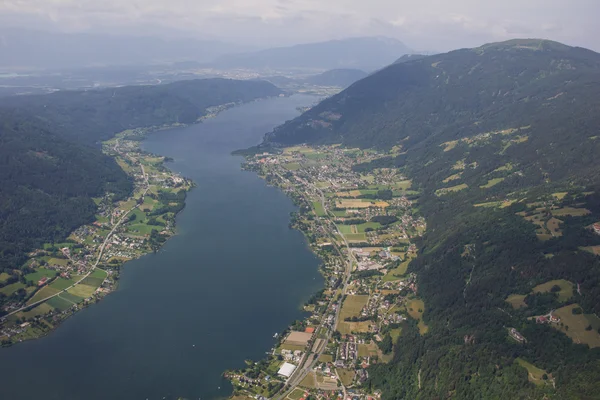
576 326
566 288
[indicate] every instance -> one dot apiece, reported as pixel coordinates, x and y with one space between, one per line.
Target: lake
212 297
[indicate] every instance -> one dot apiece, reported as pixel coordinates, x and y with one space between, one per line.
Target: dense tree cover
49 174
95 115
472 258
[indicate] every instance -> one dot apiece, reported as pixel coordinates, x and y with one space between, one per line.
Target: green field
70 297
59 303
534 373
491 183
39 274
396 273
372 225
577 326
292 166
61 283
41 309
319 210
357 237
516 300
82 290
452 189
345 229
566 288
57 261
340 213
10 289
4 277
44 292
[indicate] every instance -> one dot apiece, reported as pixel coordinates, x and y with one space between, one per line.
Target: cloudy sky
422 24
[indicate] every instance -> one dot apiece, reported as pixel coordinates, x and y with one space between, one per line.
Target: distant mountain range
368 53
36 49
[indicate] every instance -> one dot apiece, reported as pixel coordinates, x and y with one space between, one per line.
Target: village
361 226
62 278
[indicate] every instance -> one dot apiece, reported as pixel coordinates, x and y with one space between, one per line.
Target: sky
426 25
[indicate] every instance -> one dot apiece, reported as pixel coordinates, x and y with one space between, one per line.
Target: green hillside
51 167
501 142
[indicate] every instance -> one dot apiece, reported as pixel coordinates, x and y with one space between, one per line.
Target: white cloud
424 24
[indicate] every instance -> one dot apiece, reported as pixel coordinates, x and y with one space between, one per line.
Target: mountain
501 142
363 53
36 49
409 57
51 166
337 77
95 115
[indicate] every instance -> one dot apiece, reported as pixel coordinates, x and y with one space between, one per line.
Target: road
102 247
303 370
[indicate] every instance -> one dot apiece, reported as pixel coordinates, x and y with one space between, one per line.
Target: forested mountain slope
95 115
50 167
502 143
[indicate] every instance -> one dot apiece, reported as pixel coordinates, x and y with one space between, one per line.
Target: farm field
46 291
352 307
577 326
37 310
359 203
39 274
318 207
10 289
61 283
572 211
82 290
346 376
59 303
491 183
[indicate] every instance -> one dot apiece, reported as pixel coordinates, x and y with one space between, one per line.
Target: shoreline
352 265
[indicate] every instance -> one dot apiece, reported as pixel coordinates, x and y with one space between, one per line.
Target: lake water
212 297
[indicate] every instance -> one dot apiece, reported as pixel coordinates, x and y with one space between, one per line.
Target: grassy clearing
346 376
516 300
297 394
451 189
292 166
535 374
367 350
415 308
453 178
566 288
57 261
491 183
595 250
575 326
326 358
367 225
309 381
10 289
319 210
4 277
572 211
397 273
560 195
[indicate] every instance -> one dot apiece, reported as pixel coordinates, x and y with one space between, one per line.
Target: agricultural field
292 166
566 289
535 374
352 307
41 309
59 303
319 210
359 203
572 211
356 237
397 273
83 291
61 283
346 376
581 328
326 358
39 274
297 394
4 277
10 289
367 350
46 291
453 177
57 261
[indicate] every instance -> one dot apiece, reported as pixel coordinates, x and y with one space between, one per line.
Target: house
309 329
43 281
541 320
554 319
596 228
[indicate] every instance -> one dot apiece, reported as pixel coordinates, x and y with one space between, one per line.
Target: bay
212 297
